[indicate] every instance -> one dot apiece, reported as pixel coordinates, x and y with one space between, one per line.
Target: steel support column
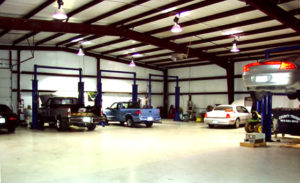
35 98
19 81
268 128
149 91
166 94
99 86
230 81
177 102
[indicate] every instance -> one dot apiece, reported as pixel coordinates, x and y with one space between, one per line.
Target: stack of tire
288 120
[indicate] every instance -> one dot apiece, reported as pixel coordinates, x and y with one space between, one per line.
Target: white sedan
231 115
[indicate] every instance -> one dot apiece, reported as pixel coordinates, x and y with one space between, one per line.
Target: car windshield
223 108
4 108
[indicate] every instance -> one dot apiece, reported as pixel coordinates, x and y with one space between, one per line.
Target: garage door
5 86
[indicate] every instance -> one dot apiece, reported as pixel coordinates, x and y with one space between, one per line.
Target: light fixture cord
60 3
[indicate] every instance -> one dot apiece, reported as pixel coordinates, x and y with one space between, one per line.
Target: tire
292 96
52 125
249 128
258 128
11 129
105 120
210 126
237 123
61 125
40 123
129 122
149 124
91 127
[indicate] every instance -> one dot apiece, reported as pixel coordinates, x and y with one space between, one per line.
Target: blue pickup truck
131 114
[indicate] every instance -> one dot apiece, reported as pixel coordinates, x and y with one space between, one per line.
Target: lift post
177 94
266 104
99 85
35 95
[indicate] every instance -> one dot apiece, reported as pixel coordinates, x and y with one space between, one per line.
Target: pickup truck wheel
130 122
91 127
149 124
61 125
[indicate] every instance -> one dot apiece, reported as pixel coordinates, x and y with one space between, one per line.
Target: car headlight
86 119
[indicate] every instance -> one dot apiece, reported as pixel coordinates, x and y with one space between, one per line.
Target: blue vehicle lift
177 94
35 95
265 106
99 86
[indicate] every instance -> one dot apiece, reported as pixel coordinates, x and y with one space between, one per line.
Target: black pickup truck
65 111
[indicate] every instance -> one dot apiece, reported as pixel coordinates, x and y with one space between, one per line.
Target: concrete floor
168 152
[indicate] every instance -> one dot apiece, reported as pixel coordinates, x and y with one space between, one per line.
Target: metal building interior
198 47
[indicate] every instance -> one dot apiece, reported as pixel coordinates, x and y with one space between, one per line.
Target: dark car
8 119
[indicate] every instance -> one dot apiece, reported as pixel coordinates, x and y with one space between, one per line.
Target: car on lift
227 115
131 114
8 119
61 112
276 75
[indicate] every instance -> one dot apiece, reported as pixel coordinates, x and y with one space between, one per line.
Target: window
241 109
133 105
223 108
114 106
245 110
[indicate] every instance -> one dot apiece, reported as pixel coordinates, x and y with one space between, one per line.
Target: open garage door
5 86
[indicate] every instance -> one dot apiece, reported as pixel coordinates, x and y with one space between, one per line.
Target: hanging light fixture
176 27
59 14
234 48
80 51
132 64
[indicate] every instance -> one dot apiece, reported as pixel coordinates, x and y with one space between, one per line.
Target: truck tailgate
150 114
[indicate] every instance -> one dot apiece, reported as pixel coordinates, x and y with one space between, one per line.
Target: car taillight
205 115
12 118
283 65
138 112
69 112
101 112
227 115
246 68
287 65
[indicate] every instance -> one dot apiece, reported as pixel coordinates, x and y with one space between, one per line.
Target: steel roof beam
45 48
31 13
105 15
252 32
265 46
70 14
121 22
203 19
168 14
1 2
272 10
62 27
